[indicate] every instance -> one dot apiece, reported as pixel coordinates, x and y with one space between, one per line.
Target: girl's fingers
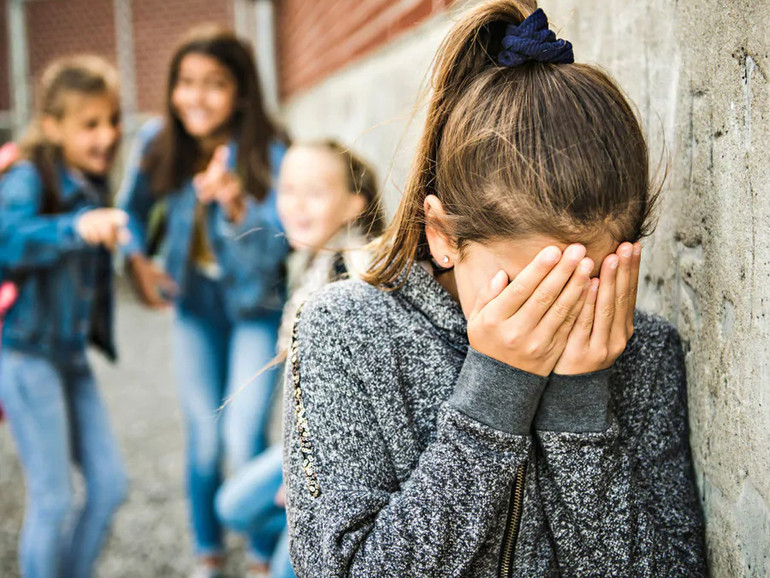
635 265
119 217
109 235
548 291
229 191
102 231
623 289
605 301
205 195
563 311
585 320
217 166
205 187
221 154
522 286
492 290
570 330
199 182
166 284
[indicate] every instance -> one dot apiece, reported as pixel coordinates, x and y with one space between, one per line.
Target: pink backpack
7 297
9 153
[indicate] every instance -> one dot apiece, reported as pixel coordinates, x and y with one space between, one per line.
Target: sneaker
206 571
256 570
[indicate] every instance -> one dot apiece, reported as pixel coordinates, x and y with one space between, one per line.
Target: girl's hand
153 286
219 184
8 294
606 322
525 323
104 226
280 497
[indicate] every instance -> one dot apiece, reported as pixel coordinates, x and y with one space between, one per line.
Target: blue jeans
225 399
246 503
57 416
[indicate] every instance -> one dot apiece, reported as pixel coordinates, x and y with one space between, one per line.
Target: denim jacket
250 254
65 285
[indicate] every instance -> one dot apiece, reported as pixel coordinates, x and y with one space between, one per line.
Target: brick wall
316 38
63 27
5 91
158 27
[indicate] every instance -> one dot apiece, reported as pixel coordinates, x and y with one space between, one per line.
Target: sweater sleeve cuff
575 403
497 394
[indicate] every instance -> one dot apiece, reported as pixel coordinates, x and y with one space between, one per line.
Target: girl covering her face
486 402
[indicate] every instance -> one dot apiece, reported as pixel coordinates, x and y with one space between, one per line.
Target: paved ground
150 537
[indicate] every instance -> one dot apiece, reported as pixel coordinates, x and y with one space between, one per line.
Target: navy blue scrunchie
532 40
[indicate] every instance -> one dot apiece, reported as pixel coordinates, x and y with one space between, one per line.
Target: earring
442 267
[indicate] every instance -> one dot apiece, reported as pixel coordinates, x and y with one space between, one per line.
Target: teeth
197 115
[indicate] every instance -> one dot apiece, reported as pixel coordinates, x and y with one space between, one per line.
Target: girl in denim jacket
55 240
211 162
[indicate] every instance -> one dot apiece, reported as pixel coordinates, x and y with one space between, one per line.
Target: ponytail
463 54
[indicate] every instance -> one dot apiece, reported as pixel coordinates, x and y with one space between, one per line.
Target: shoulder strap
339 269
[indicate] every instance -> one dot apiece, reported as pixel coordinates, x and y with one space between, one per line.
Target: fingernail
551 254
637 249
594 284
613 263
575 252
625 251
585 267
500 277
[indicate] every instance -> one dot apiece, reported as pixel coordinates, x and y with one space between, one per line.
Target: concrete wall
698 72
372 104
5 81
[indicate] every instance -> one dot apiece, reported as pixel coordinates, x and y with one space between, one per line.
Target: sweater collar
427 295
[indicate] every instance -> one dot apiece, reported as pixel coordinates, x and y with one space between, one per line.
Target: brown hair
173 155
551 149
82 74
361 179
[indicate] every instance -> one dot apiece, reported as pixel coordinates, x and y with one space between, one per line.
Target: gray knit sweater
407 454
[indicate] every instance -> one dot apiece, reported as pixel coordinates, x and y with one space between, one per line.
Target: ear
442 249
51 129
355 208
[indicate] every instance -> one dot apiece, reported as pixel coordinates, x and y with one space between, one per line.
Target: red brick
67 27
315 39
158 27
5 81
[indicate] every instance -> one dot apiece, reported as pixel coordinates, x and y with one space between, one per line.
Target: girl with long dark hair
210 164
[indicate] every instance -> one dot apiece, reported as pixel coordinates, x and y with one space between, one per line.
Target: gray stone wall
698 72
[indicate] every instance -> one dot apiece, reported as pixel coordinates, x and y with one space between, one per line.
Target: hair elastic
533 41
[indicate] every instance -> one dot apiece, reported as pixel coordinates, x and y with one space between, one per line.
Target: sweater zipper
514 522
